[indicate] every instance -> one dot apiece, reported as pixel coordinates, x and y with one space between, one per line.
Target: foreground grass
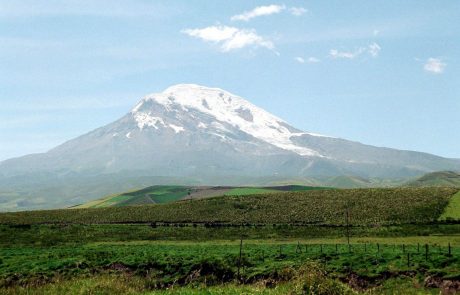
168 263
310 279
69 259
293 243
301 281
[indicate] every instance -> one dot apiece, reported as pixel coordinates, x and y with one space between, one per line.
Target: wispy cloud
258 11
297 11
268 10
372 49
334 53
230 38
310 60
313 60
434 65
299 59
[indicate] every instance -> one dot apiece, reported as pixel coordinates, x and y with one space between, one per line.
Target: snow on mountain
223 107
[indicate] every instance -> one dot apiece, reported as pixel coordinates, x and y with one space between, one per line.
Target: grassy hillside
365 206
442 178
160 194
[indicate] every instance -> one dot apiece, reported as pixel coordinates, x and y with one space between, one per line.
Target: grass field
292 243
43 257
161 194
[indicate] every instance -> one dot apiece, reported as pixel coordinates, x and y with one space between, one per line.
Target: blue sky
386 73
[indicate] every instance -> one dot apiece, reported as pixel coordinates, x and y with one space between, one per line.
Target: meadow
393 242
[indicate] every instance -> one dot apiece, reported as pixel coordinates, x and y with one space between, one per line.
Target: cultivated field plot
160 194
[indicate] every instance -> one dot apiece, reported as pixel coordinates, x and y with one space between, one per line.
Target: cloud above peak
258 11
434 65
267 10
230 38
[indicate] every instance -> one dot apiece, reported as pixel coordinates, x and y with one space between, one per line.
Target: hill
160 194
365 206
441 178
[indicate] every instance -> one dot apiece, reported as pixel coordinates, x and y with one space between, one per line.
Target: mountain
190 134
440 178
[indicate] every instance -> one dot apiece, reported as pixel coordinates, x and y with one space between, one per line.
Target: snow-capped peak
224 107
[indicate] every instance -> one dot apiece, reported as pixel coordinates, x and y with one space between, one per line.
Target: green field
292 243
160 194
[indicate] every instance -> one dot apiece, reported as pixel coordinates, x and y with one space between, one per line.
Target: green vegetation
160 194
292 243
452 211
365 207
156 264
242 191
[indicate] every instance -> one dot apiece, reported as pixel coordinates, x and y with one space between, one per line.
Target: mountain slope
195 135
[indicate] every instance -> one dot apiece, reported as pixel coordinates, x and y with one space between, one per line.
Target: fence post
378 248
336 249
321 247
418 247
408 259
450 251
365 247
404 248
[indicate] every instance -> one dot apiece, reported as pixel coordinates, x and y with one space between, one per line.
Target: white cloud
214 33
334 53
375 32
313 60
258 11
297 11
300 60
434 65
230 38
374 49
310 60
